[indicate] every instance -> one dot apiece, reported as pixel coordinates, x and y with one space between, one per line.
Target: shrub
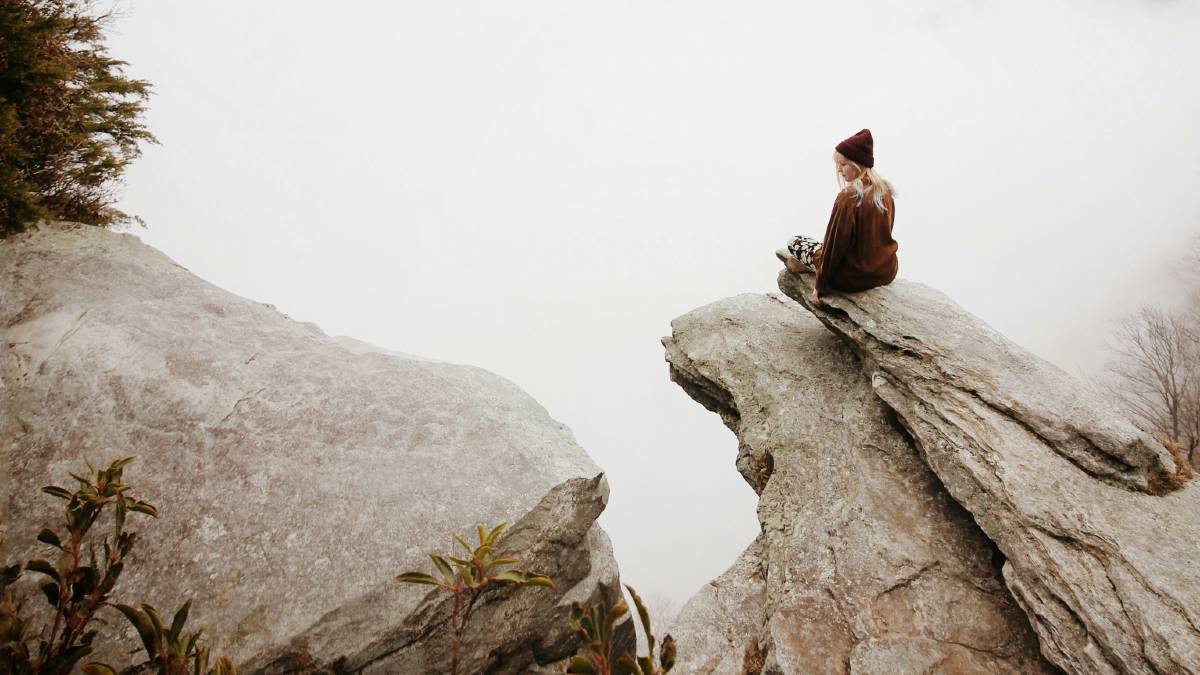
171 650
70 121
595 626
77 589
467 579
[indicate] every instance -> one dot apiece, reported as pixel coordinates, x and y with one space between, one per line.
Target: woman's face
846 169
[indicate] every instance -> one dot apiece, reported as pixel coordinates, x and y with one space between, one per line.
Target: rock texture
865 564
719 627
1104 566
296 476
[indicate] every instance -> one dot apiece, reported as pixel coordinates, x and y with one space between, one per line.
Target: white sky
538 188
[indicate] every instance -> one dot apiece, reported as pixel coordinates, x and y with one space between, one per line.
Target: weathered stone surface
520 627
295 477
930 338
718 628
869 565
1106 572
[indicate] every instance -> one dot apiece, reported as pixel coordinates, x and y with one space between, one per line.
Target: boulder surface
865 564
1100 540
296 477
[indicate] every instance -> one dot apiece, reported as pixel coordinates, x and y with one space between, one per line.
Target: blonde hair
868 180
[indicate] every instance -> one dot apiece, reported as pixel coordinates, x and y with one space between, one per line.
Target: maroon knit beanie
858 148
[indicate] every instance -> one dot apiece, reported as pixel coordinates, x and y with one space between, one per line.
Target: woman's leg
802 247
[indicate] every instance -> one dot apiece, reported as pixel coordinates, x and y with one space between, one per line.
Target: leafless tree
1156 373
1155 366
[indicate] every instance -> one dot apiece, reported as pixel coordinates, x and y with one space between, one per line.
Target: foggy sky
538 188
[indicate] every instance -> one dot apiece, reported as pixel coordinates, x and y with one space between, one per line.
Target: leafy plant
595 626
75 589
170 649
468 578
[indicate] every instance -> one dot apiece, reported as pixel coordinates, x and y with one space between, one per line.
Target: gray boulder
719 628
865 564
1098 550
296 474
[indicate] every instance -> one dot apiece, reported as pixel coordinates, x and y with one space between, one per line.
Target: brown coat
858 251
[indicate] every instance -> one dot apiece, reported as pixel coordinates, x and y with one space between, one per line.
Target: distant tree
70 121
1156 373
1154 367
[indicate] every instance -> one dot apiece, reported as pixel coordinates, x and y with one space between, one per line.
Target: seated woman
858 251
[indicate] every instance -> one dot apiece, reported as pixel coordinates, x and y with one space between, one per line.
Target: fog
539 188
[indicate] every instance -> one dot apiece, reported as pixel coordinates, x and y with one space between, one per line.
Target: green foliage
595 626
467 578
70 121
76 588
170 650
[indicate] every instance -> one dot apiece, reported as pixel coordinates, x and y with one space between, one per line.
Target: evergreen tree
70 120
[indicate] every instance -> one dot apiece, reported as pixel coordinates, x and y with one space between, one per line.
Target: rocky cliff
865 564
933 498
296 475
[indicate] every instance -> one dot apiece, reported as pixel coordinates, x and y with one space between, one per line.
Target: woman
858 251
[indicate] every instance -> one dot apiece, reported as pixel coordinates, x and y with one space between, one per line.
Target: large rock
1105 568
296 476
719 627
864 564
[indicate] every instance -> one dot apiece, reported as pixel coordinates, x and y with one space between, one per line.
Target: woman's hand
816 298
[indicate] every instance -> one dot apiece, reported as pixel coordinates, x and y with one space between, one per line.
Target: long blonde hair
868 180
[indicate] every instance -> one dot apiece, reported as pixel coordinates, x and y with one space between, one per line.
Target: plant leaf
491 538
96 668
535 579
56 491
443 567
180 619
644 615
512 576
145 629
417 578
50 590
463 542
581 666
143 507
155 619
225 667
48 536
122 509
43 567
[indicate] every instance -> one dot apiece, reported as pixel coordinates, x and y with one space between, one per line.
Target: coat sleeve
838 235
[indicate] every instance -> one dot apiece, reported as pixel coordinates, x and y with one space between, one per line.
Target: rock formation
1099 551
865 564
296 477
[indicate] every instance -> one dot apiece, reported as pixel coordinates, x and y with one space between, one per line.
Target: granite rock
865 563
1100 541
297 474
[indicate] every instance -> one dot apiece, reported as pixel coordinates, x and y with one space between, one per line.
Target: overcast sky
538 188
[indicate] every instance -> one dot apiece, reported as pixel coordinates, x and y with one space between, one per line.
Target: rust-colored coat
858 251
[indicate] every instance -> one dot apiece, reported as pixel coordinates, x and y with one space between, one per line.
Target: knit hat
858 148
